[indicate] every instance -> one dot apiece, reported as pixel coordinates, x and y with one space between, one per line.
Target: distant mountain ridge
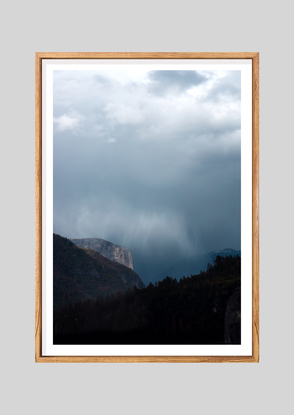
111 251
195 264
80 274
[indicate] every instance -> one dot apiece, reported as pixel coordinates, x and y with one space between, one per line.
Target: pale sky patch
67 122
123 114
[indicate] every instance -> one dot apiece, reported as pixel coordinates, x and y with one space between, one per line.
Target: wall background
31 26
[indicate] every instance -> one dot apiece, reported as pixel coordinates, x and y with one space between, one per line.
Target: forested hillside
189 311
80 274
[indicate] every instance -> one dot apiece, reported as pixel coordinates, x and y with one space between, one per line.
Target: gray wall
30 26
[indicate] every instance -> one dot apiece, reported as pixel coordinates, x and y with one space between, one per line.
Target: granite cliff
82 273
111 251
233 318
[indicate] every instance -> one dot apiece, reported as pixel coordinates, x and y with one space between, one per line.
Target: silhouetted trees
188 311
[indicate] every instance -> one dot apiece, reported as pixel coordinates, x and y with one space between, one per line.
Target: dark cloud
226 89
163 82
159 176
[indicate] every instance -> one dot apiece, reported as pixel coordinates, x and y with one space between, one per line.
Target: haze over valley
149 160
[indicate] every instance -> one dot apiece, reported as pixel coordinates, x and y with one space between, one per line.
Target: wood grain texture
255 206
38 207
146 359
146 55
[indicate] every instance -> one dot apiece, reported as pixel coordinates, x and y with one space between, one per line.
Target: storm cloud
149 160
164 82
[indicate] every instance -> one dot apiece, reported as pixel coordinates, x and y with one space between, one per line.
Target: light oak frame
254 56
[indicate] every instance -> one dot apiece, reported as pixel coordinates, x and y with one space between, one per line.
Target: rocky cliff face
108 249
233 319
80 274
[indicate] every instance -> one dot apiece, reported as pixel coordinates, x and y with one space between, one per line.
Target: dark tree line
188 311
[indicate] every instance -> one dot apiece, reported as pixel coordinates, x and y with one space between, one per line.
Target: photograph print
147 205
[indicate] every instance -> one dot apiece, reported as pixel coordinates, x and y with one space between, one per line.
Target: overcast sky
149 160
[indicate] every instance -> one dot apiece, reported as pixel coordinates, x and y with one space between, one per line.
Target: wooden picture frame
254 58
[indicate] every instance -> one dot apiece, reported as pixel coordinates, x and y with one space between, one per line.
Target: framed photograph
147 207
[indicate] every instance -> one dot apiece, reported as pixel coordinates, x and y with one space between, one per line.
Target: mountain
194 264
111 251
80 274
